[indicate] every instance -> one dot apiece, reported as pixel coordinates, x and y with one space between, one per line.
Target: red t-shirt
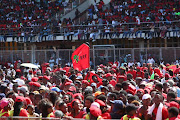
106 115
164 113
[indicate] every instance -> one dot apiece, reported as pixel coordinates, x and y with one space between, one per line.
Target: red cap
77 100
18 70
109 75
101 103
78 94
69 93
167 75
19 99
172 104
34 79
141 90
37 84
67 83
95 111
46 77
40 77
23 78
72 88
31 83
85 82
167 64
30 71
28 100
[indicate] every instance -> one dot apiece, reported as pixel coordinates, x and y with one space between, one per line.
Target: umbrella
30 65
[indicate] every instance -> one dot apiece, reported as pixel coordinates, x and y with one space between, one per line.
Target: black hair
132 98
171 94
90 98
53 97
159 85
102 97
113 95
118 85
174 111
43 106
124 83
123 92
9 93
17 108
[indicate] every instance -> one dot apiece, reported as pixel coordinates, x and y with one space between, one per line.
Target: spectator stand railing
39 33
63 56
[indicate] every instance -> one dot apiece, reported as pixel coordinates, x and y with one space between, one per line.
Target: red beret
167 75
141 90
46 77
37 84
67 83
95 111
18 70
28 100
85 82
30 71
31 83
78 94
101 103
109 75
19 99
23 78
40 77
121 76
34 79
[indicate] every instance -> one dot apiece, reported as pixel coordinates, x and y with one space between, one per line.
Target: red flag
80 57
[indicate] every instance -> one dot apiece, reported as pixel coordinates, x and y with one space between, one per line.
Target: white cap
95 104
146 96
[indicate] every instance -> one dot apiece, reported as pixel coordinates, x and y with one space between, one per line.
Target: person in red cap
76 109
46 81
132 71
5 106
95 114
18 108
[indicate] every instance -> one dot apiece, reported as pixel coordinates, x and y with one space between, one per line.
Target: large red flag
80 57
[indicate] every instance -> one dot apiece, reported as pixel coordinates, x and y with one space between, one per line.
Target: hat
85 82
99 70
131 107
40 77
101 103
24 89
2 95
95 111
167 75
95 104
78 94
72 89
34 79
141 90
4 102
93 85
28 100
11 65
23 78
98 93
56 89
146 96
67 83
88 88
18 70
46 77
172 104
79 78
19 99
118 105
37 84
30 71
109 75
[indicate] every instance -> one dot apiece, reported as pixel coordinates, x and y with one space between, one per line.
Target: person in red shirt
173 113
132 71
76 109
157 111
139 73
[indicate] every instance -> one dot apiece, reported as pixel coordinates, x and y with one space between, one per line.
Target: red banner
80 57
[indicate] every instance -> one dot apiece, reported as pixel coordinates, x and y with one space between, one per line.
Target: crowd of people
111 91
23 20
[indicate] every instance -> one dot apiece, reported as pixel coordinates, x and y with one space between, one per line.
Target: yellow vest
88 117
126 118
2 113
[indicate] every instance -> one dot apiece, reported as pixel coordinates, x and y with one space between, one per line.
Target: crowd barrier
97 56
